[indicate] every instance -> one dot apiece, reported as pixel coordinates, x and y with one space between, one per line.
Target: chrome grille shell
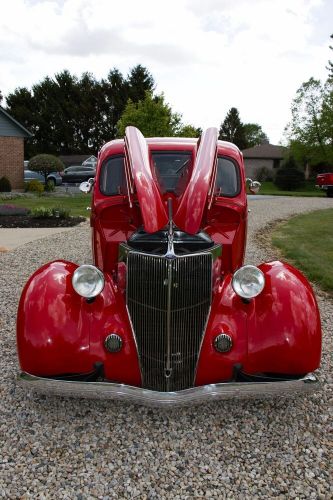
168 301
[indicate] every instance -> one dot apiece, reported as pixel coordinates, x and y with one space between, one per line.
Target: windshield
172 171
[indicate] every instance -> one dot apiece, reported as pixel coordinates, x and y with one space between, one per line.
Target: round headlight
88 281
248 282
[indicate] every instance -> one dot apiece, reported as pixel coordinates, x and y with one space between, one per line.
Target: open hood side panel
150 199
191 208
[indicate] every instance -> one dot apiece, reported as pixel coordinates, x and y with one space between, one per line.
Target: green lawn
307 242
308 190
77 204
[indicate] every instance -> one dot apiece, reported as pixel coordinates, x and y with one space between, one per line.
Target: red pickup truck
325 181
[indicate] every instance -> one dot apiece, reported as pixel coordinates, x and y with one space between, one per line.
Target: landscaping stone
78 449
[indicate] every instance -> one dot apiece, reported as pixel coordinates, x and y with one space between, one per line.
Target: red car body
325 182
168 357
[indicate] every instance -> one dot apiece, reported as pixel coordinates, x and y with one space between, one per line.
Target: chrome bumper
187 397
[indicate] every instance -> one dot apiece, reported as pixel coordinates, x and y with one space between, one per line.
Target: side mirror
254 186
87 186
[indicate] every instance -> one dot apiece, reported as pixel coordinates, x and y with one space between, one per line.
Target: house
88 160
263 155
12 135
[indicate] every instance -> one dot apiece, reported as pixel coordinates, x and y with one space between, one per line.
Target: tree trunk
307 171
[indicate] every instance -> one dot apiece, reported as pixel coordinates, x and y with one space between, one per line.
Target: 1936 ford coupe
168 314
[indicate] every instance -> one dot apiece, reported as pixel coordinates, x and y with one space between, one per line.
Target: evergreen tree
232 129
116 96
69 115
139 81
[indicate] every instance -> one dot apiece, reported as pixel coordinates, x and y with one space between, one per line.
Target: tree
69 115
254 135
189 131
330 64
45 164
152 116
232 129
289 177
310 131
115 90
327 118
139 81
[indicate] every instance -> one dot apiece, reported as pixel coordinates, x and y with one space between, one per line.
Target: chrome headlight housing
248 282
88 281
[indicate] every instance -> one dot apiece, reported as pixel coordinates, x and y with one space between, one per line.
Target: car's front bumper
192 396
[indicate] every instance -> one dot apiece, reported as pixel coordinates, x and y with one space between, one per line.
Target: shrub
60 213
48 213
289 177
46 164
5 185
49 187
13 210
34 186
41 213
264 174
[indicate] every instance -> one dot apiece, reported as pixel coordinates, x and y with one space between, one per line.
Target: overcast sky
205 55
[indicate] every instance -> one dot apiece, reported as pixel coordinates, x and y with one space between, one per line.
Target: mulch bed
12 221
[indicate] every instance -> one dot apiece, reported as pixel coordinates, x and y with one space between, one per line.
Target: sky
206 56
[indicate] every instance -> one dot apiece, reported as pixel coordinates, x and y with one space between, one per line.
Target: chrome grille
168 301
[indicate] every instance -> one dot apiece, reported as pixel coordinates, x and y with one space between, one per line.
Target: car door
88 173
30 175
70 174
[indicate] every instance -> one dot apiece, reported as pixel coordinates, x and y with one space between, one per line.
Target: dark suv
79 173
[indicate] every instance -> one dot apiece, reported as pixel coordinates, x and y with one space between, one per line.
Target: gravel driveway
76 449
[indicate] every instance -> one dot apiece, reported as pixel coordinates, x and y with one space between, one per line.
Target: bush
49 187
60 213
264 174
289 177
49 213
13 210
34 186
41 213
5 185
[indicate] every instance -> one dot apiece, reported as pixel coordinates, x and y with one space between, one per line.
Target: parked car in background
168 313
78 173
54 177
325 182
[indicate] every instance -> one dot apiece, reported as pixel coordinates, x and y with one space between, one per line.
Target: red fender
284 330
59 332
277 332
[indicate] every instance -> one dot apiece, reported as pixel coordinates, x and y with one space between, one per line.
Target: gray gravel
76 449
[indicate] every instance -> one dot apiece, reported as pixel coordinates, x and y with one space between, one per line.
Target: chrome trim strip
187 397
124 250
168 367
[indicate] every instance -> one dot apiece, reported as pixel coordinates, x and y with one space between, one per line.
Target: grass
77 204
307 241
308 190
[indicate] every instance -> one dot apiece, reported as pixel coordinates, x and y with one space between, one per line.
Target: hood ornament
170 254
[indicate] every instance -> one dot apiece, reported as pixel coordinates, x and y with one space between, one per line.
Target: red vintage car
325 182
168 313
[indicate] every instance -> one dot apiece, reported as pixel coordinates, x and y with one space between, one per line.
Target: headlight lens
88 281
248 282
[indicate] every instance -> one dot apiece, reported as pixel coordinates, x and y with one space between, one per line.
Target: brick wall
11 160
